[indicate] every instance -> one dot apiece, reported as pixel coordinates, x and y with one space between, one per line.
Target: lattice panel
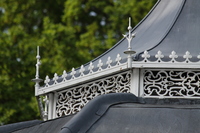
171 83
72 100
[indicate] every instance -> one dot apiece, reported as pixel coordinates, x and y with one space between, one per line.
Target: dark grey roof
36 126
137 118
125 113
171 25
17 126
184 33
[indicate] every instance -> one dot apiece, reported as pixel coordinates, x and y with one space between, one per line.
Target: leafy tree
69 33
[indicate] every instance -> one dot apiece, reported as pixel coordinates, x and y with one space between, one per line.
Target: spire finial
37 80
130 36
38 63
129 27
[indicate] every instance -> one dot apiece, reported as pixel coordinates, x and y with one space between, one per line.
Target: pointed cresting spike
129 52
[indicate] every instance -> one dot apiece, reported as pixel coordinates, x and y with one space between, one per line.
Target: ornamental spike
38 63
129 52
37 79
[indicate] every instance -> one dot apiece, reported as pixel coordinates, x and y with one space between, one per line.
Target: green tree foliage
69 33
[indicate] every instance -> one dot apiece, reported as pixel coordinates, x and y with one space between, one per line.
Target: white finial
38 50
129 27
130 36
37 80
38 63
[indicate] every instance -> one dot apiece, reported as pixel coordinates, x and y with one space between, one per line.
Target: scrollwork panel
73 100
171 83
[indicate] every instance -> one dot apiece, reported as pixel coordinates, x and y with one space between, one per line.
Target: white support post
54 105
141 90
46 104
50 106
135 81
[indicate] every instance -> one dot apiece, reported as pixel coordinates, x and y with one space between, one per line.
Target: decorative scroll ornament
171 83
64 75
147 59
173 56
118 59
73 72
82 70
100 64
90 68
198 56
47 80
72 100
187 56
55 78
159 56
145 55
109 61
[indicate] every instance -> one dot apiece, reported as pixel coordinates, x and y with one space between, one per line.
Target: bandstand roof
171 25
170 32
122 112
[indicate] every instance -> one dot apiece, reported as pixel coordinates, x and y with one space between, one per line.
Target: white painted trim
54 105
135 81
166 96
80 80
144 63
50 106
141 89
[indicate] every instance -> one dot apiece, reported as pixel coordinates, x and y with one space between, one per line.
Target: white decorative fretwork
82 69
55 78
118 59
109 61
159 56
99 65
73 72
90 68
172 58
64 75
113 65
72 100
171 83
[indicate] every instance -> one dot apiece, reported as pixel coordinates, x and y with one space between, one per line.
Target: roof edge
18 126
95 109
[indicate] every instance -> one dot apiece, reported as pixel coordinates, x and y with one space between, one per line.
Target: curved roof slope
155 27
171 25
184 34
